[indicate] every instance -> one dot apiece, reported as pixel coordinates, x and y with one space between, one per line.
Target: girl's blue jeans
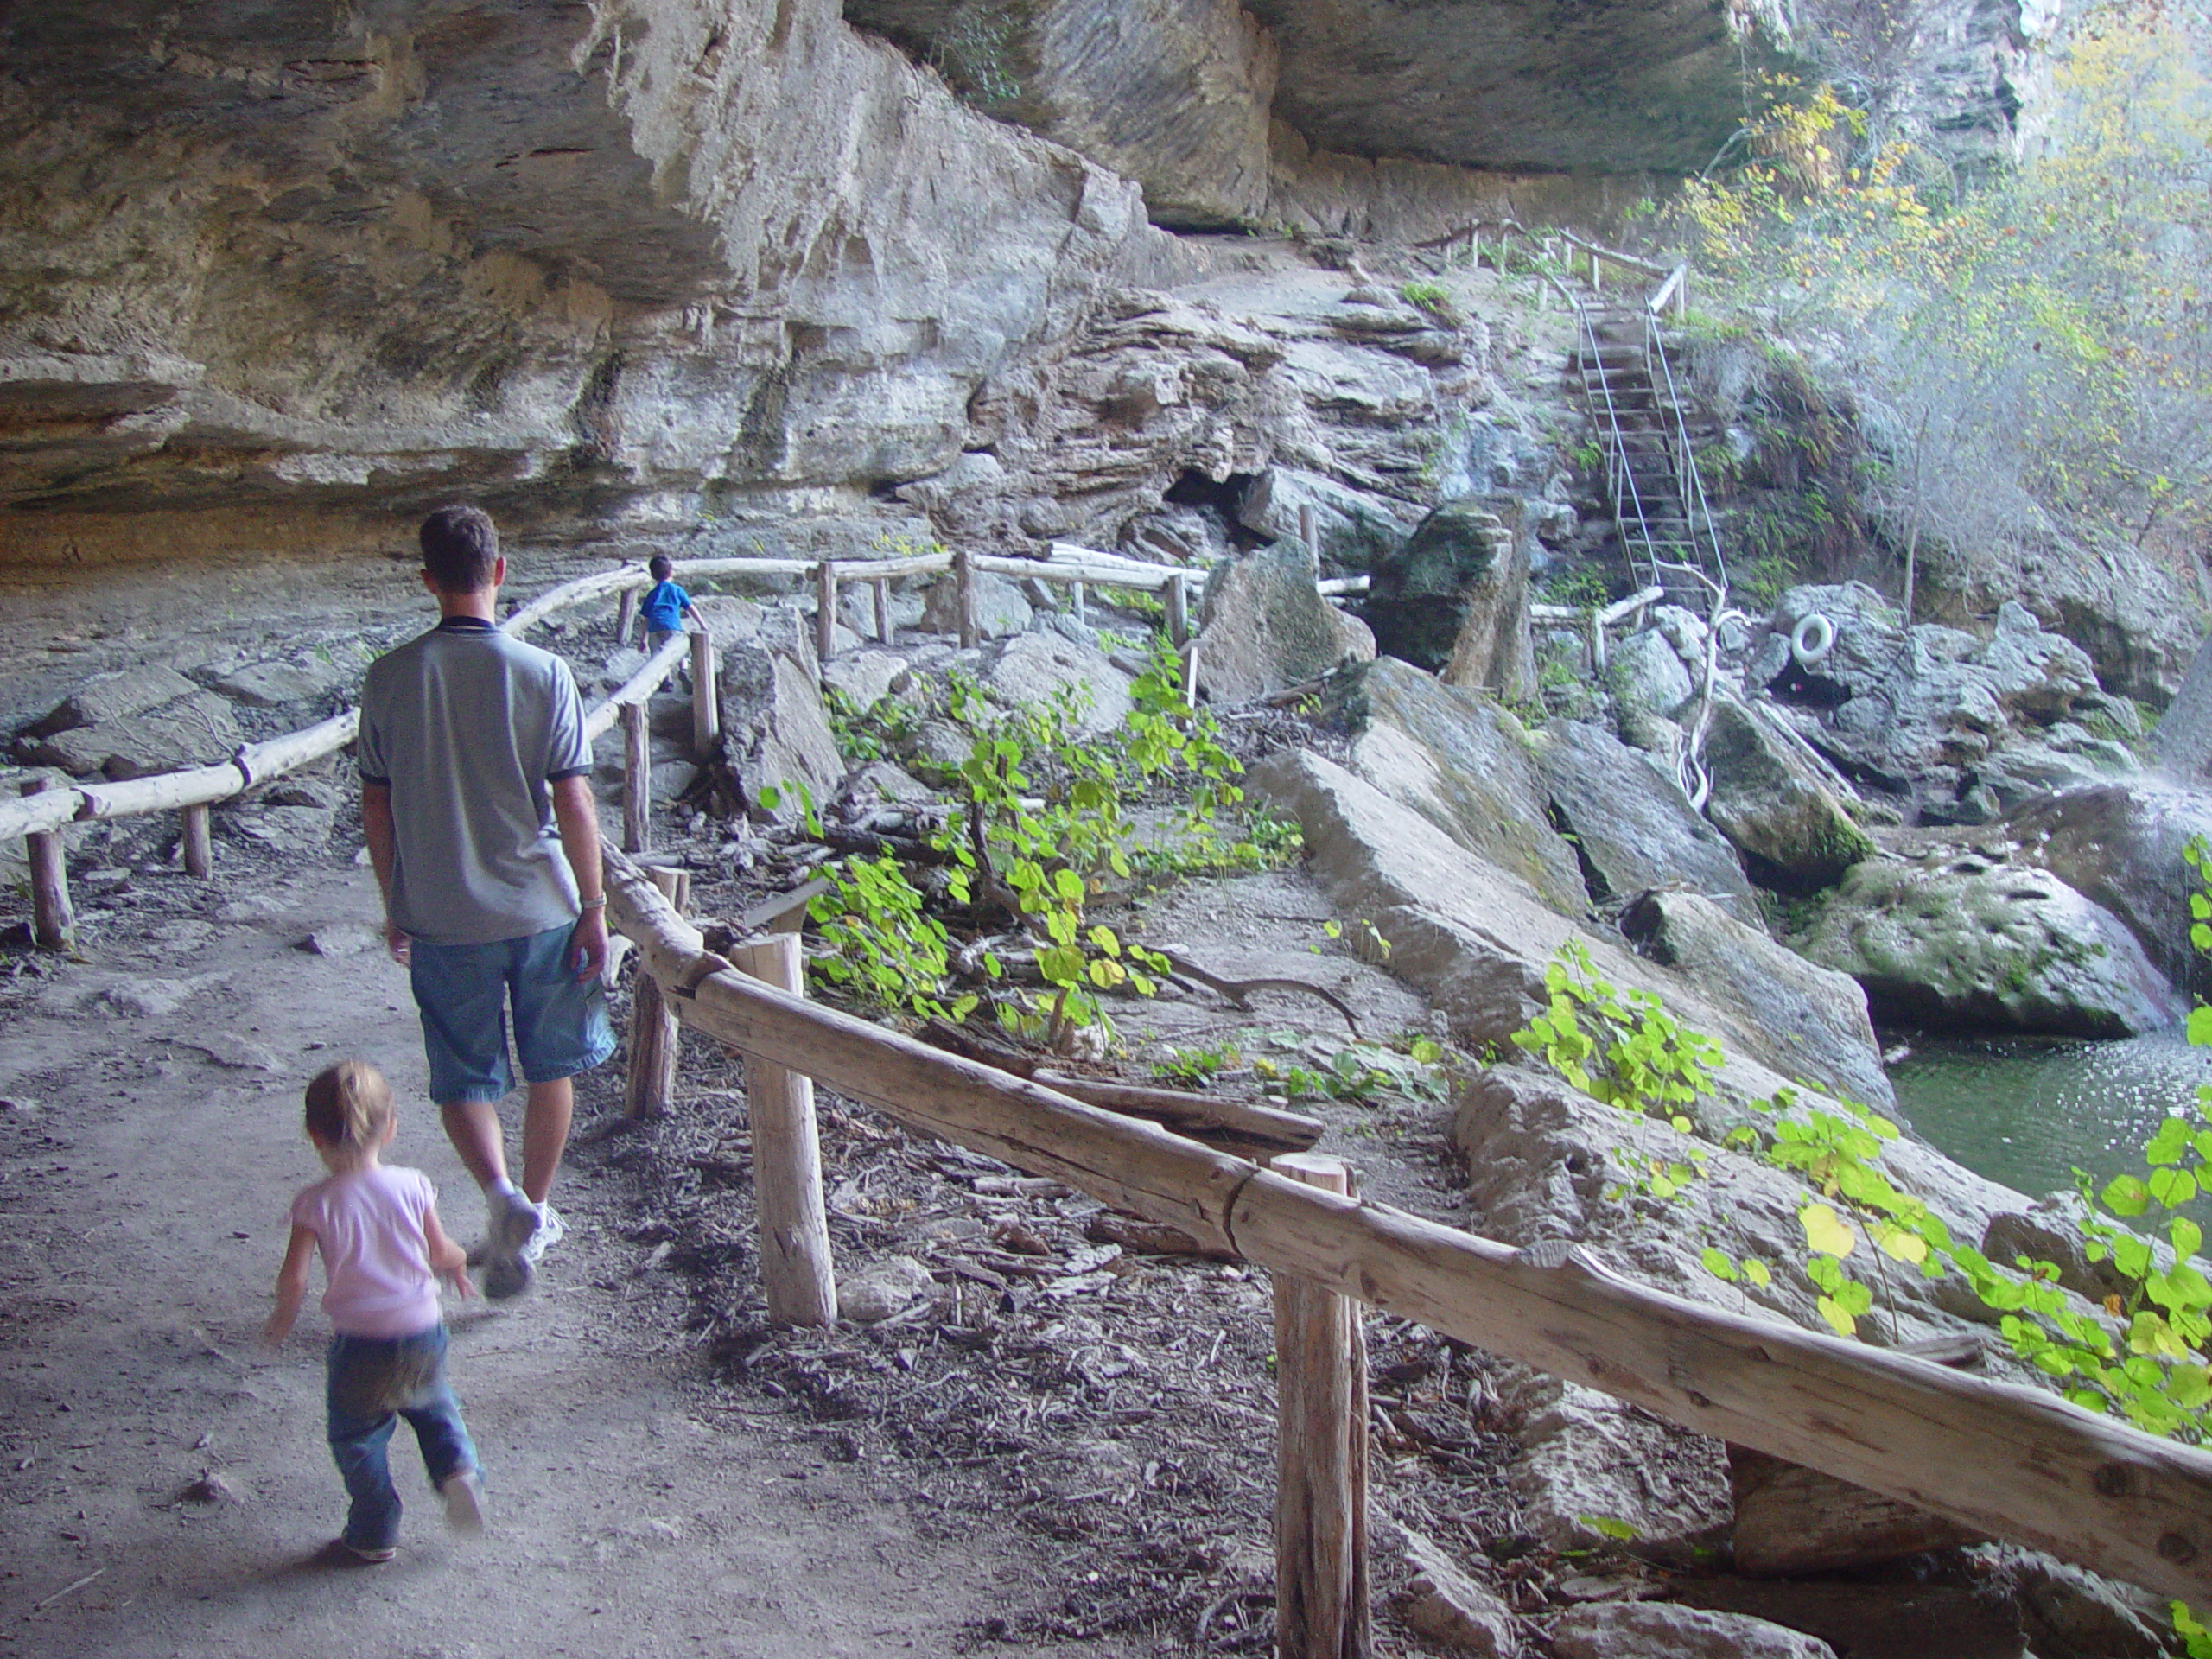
373 1383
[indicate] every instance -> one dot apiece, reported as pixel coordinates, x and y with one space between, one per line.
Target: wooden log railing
1599 620
1996 1456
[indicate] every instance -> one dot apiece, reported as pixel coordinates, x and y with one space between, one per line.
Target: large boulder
1660 1629
1632 826
1478 940
1000 609
2120 846
301 676
1649 685
191 730
2137 618
1933 713
1589 1463
1817 1015
1264 627
1038 667
1455 596
1355 529
1792 1522
112 696
1465 764
1966 941
775 727
1774 804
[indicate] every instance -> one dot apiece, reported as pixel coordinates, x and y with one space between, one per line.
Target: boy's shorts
464 992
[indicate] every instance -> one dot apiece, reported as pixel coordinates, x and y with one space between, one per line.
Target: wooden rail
1599 620
1998 1457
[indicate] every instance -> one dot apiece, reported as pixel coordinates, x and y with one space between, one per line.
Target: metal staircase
1651 480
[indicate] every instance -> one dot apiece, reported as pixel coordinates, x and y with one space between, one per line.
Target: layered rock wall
278 277
316 274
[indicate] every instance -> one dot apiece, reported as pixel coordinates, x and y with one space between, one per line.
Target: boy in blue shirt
664 607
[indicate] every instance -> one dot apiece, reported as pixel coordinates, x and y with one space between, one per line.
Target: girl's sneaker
464 1496
368 1557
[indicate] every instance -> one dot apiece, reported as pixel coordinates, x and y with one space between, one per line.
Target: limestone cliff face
280 275
302 268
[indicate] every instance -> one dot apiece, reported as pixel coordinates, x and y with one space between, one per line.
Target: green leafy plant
1196 1067
1043 825
1429 296
883 947
882 730
1585 588
1356 1072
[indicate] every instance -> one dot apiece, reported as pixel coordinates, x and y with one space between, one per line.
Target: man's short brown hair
460 548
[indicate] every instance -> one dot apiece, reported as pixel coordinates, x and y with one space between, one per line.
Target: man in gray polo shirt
476 801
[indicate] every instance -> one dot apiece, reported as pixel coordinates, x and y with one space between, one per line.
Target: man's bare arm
576 811
377 826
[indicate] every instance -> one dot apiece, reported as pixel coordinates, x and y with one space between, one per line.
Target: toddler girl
381 1250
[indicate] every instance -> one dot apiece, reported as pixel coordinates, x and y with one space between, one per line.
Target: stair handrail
1689 478
1617 464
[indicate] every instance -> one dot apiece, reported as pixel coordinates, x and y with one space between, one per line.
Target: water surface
2026 1111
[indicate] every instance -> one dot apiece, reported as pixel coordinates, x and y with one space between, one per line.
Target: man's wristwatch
599 903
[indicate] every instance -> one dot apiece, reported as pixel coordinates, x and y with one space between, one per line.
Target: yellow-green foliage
2044 330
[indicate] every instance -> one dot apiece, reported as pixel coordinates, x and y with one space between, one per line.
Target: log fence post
1178 610
706 707
825 610
54 920
1191 673
963 587
625 612
637 777
651 1083
796 1269
1075 595
1308 534
1321 1576
199 841
881 589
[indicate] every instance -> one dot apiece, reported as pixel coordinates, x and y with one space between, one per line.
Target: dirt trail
143 1187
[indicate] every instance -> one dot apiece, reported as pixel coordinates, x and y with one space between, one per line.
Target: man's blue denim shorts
464 992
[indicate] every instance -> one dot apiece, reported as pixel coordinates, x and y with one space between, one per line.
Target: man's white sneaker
550 1230
515 1221
464 1496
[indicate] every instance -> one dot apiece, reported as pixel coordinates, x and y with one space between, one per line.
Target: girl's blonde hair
349 1108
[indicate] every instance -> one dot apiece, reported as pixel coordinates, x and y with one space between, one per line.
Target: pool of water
2027 1111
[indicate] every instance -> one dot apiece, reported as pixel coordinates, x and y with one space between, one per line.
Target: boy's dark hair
460 548
661 567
